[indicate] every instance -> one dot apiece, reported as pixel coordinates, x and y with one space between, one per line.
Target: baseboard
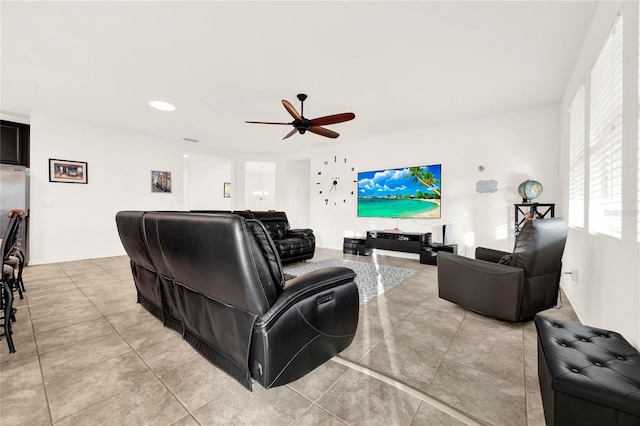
577 311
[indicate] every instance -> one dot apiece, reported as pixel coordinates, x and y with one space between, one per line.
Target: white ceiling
399 66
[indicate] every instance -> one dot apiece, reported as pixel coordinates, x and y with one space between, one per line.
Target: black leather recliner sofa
292 244
217 279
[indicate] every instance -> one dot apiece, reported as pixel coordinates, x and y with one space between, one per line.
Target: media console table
408 242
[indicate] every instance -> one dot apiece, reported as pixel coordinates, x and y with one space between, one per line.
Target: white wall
607 292
246 180
297 186
77 221
74 221
512 147
260 176
204 183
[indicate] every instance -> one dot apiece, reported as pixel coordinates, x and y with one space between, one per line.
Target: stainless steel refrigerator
14 194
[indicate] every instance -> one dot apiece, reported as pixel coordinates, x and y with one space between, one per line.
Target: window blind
605 137
576 159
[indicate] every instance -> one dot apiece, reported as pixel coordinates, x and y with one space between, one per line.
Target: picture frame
226 191
160 181
68 171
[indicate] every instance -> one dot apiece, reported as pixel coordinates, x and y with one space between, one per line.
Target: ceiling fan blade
291 133
291 110
332 119
265 122
323 132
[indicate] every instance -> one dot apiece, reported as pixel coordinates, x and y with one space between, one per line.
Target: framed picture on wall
160 181
226 191
67 171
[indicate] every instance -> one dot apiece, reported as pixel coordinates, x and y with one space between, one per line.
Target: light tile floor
87 354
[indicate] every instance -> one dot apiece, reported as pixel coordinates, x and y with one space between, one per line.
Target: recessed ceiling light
162 106
185 155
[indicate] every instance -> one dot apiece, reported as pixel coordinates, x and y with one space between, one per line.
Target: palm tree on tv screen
426 178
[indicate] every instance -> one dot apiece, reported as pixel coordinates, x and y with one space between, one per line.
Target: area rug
372 280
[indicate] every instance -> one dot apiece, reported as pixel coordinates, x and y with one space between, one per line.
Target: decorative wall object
486 186
160 181
226 192
67 171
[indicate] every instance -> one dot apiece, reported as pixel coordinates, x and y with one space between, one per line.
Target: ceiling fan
301 124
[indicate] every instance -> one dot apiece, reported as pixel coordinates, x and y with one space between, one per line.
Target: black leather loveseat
217 279
292 244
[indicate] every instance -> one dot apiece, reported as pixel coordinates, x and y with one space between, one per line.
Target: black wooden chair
16 258
7 281
8 314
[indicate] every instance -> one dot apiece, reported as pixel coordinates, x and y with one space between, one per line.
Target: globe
529 190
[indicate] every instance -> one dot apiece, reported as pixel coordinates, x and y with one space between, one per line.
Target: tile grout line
156 374
453 412
35 342
116 331
133 350
315 402
400 385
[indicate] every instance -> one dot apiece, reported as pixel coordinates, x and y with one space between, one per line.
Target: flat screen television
407 192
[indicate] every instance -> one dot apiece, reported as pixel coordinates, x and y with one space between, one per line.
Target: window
576 160
605 131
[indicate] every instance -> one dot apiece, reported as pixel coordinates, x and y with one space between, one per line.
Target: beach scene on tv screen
402 192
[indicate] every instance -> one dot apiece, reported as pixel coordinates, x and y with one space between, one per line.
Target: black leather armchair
510 286
218 280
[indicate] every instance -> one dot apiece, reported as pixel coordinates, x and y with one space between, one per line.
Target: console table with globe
530 211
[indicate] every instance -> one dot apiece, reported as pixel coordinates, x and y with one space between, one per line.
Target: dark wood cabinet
14 143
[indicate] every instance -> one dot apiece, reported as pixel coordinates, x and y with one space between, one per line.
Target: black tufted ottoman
588 376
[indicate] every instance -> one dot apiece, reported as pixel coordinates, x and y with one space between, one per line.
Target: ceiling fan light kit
301 124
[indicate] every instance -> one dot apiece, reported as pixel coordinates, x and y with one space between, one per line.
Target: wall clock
335 180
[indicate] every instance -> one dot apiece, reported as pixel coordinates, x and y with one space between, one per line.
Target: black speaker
447 234
425 239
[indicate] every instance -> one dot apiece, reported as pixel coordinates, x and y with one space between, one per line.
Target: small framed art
67 171
226 191
160 181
